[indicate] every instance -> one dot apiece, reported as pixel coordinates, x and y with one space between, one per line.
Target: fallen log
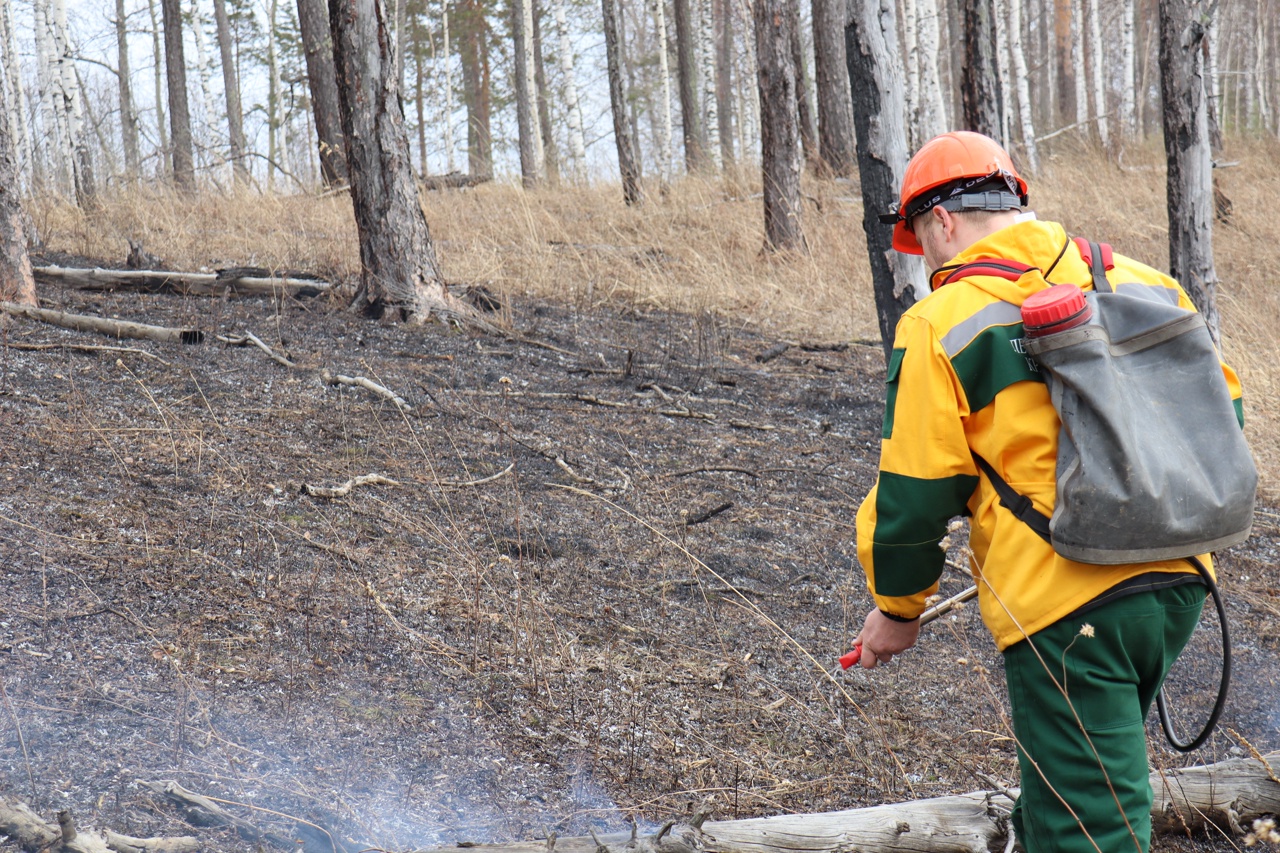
104 326
1229 794
237 281
453 181
31 832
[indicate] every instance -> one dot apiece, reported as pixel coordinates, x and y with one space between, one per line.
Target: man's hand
882 638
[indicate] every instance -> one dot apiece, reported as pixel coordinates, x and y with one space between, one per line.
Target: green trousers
1091 792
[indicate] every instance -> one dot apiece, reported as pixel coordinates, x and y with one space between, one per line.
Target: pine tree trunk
317 45
622 130
1018 58
473 47
664 90
687 75
128 118
879 116
831 84
546 134
780 145
184 170
804 108
724 78
531 167
231 88
1186 145
400 277
17 283
979 79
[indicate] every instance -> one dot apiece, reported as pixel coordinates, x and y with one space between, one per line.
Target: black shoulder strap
1098 257
1019 504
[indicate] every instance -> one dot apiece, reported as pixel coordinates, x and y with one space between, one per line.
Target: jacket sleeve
926 477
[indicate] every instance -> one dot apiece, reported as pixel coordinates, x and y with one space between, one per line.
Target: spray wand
940 609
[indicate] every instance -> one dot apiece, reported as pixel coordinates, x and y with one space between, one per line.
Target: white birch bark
273 95
577 143
707 64
664 83
530 93
447 64
67 104
57 166
204 68
911 60
1077 64
1260 68
1128 84
162 126
1002 68
932 118
1098 59
18 131
1018 57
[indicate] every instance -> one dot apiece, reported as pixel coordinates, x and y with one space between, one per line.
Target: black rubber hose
1162 706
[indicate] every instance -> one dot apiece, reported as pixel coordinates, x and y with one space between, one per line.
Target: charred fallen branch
453 181
236 281
104 326
31 832
1230 795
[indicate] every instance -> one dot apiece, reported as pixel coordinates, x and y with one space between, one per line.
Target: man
1086 647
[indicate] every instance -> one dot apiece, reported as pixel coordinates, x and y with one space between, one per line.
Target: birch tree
204 70
19 135
664 87
275 156
547 136
569 86
724 78
1018 59
1128 84
17 282
623 133
158 67
400 278
780 146
1000 40
231 92
59 166
879 114
70 108
532 170
911 70
1097 56
931 119
1189 181
445 64
1078 66
706 53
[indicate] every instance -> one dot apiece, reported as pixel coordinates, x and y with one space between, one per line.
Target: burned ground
613 578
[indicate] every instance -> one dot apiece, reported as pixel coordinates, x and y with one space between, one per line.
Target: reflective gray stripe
1154 292
963 333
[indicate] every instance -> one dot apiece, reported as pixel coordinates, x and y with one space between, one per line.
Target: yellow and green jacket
958 384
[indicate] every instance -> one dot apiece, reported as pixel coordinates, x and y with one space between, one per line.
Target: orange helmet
961 170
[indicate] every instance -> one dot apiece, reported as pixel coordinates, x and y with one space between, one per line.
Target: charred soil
610 576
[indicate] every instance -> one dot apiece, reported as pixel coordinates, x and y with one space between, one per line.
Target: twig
345 488
368 385
710 469
772 352
708 514
22 741
251 338
84 348
459 485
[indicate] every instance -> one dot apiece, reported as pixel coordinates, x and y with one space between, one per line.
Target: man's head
958 188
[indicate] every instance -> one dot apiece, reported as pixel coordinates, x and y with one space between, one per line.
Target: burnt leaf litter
607 573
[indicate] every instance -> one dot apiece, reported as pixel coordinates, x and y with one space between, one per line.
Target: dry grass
698 248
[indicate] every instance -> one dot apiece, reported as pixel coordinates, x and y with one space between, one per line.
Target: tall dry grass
698 248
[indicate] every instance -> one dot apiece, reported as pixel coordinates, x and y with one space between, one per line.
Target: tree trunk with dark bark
879 116
550 152
622 130
317 44
695 155
980 95
184 169
231 85
473 48
128 118
724 78
531 166
1186 145
780 151
831 84
804 110
400 277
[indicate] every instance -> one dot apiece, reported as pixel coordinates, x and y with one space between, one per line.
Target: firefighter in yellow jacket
958 384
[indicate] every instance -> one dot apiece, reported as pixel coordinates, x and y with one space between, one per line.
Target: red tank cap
1055 309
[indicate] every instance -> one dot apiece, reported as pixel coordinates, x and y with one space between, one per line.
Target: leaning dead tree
400 276
1230 794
